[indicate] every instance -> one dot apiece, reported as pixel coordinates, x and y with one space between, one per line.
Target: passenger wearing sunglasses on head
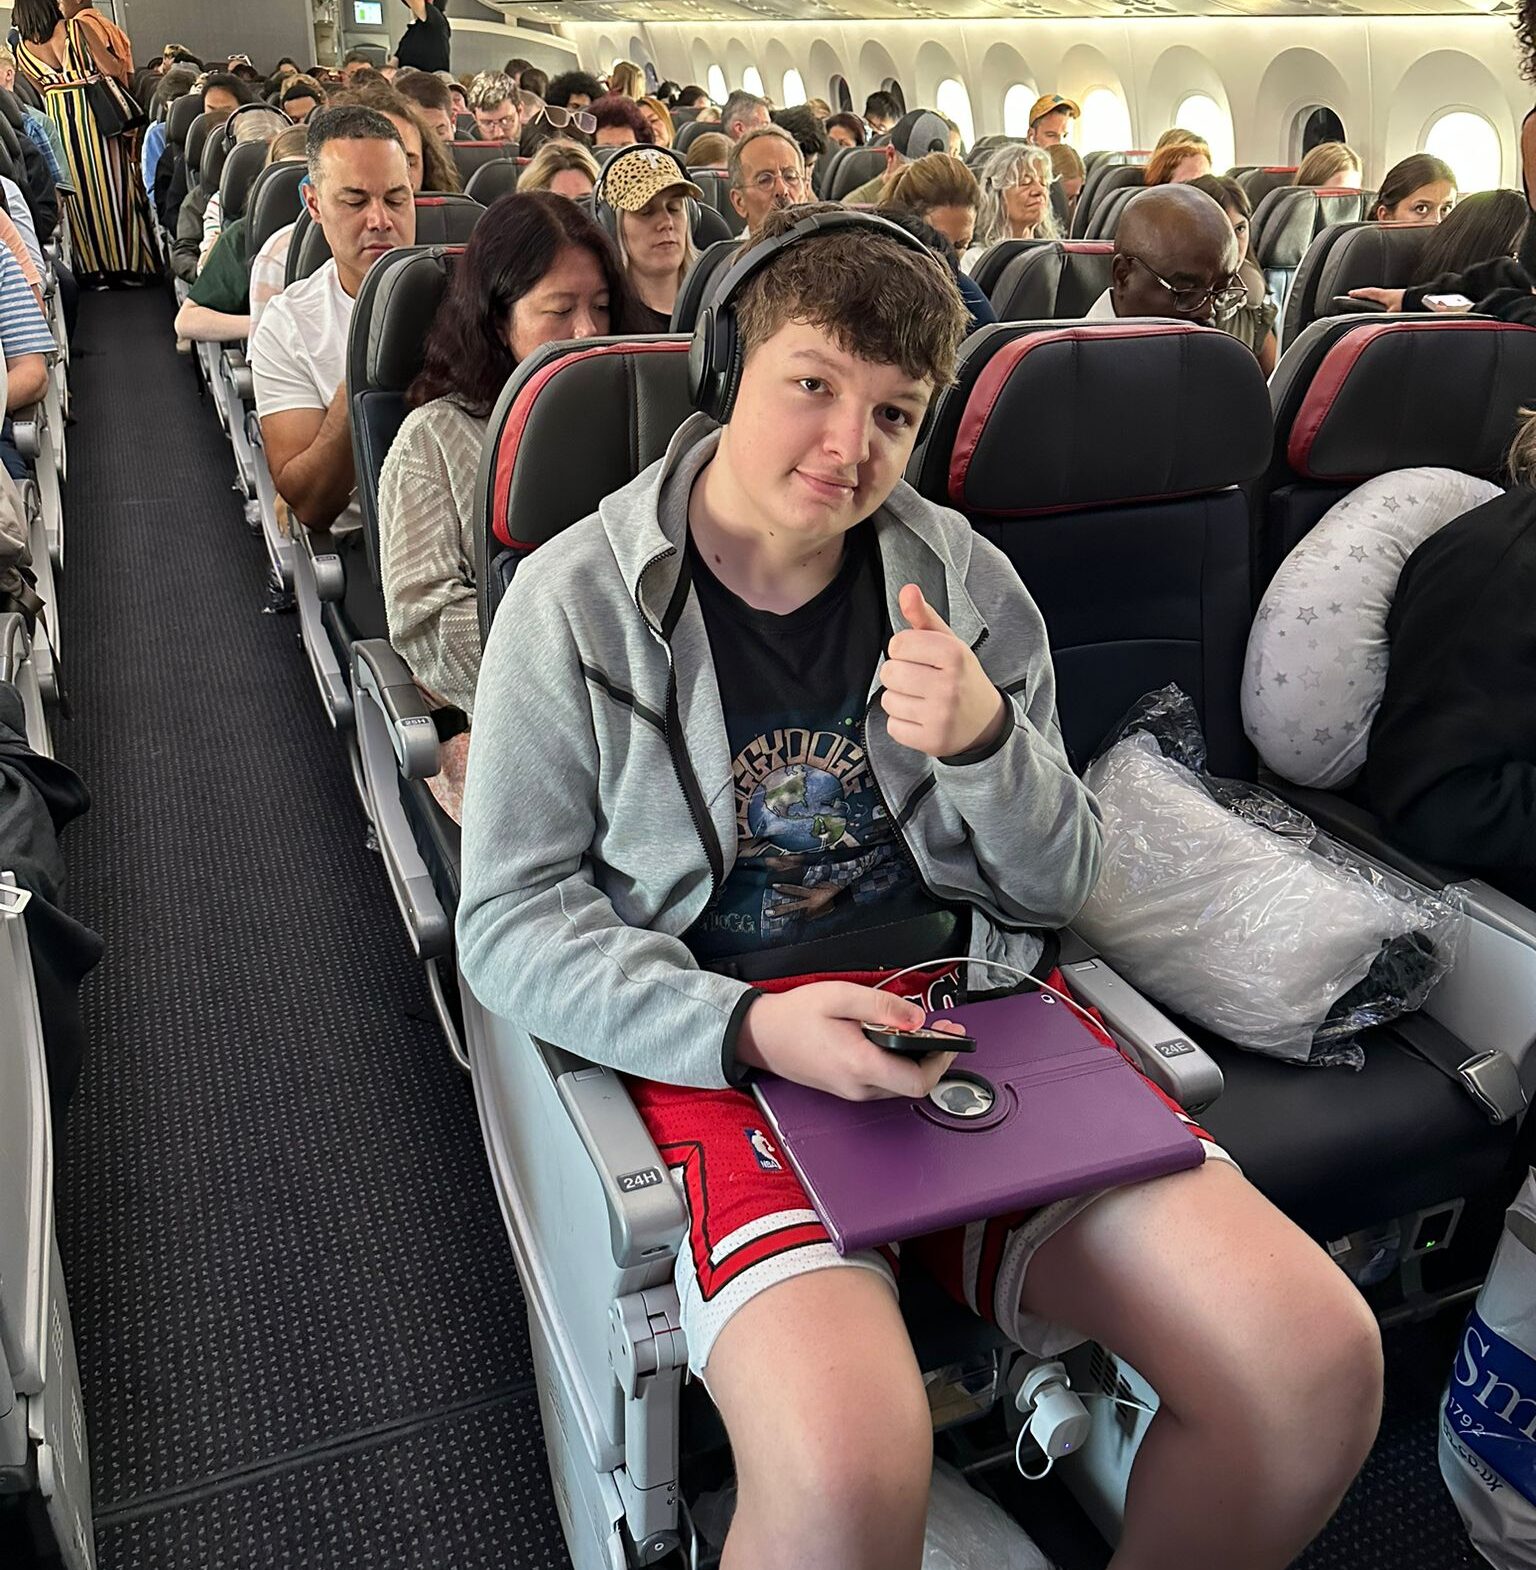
1175 256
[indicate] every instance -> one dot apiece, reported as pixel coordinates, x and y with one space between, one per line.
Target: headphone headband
716 358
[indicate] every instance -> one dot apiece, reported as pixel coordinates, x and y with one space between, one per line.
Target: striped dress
108 211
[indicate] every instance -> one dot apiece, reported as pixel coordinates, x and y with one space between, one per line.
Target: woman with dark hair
1253 322
1471 254
847 130
621 123
1420 189
537 269
108 209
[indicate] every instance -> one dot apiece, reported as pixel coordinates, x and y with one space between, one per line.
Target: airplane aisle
301 1334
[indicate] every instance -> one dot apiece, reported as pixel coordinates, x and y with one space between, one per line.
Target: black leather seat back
385 347
1358 396
858 166
716 186
1258 183
495 179
688 134
988 267
1287 221
1105 179
242 166
202 128
274 202
1104 459
1352 256
700 283
440 220
575 423
179 118
1106 217
470 156
1057 280
216 150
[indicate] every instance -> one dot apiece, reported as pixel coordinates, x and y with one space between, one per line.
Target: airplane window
715 82
752 80
1105 122
952 100
794 89
1017 102
1470 145
1200 113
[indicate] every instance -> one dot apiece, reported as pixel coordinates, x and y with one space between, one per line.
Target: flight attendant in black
424 44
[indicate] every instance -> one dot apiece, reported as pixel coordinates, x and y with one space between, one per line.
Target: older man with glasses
1175 256
766 173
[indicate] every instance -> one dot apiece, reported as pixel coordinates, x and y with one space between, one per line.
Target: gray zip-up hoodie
599 809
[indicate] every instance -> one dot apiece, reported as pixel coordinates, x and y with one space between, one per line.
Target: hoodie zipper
688 781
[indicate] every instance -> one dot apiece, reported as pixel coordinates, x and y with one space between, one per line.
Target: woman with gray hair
1015 199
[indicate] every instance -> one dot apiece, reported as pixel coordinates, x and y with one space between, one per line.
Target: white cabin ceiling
846 11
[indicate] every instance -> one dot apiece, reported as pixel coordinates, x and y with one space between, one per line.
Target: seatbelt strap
1490 1078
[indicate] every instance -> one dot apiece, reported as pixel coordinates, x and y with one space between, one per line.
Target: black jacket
1452 765
1501 288
38 798
425 44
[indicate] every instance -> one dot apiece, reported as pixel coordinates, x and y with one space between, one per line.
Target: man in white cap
917 133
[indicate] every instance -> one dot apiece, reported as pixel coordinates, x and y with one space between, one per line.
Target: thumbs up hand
937 699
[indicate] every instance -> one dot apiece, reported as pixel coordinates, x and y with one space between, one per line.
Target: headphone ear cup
699 378
729 359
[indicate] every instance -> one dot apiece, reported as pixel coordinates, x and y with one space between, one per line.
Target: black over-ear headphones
716 356
227 130
608 215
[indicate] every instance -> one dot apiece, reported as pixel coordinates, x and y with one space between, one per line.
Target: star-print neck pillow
1318 651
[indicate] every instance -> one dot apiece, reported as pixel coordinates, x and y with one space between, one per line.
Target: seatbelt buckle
1495 1085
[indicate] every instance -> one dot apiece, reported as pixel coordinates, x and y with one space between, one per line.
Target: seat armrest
238 369
1177 1065
27 431
1361 829
14 644
379 673
325 564
645 1212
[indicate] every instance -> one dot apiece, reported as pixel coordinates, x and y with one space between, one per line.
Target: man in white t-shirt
359 192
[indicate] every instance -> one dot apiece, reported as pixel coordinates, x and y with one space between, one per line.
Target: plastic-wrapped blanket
1228 907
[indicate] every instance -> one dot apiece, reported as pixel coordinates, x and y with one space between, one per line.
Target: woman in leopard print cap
646 203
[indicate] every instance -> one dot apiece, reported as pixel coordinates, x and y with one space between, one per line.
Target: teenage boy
770 713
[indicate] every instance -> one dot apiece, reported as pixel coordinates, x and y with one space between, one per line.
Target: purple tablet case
1067 1115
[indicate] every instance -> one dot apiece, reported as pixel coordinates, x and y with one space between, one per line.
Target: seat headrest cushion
1317 653
1392 395
1139 390
403 311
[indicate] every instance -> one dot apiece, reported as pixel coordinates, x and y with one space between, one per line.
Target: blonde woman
627 80
564 168
939 189
1015 199
1331 165
660 118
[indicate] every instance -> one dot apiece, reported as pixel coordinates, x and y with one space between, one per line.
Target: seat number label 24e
631 1182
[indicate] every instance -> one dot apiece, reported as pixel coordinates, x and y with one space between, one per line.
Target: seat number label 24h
632 1182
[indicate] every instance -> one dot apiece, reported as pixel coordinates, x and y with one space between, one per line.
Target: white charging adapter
1056 1419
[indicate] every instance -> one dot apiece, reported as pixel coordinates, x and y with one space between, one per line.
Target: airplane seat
320 589
472 155
716 186
1157 524
238 178
1259 182
822 177
1106 215
988 267
1052 280
1352 256
199 133
274 201
44 1448
179 118
1237 171
709 228
216 151
1105 178
700 283
396 737
690 132
857 166
1286 222
495 179
565 1144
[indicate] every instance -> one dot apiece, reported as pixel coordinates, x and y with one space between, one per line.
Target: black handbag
115 110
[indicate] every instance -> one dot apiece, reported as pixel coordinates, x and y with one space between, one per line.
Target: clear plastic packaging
1228 906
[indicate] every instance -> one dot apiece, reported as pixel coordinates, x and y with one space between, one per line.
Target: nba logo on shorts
763 1149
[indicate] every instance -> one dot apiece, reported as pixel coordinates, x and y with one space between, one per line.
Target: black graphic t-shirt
816 855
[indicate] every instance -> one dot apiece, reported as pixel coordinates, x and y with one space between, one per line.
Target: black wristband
450 722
